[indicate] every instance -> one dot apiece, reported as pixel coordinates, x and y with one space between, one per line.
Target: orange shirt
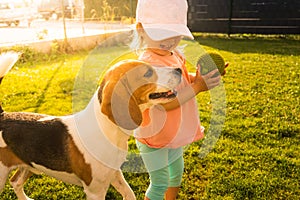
174 128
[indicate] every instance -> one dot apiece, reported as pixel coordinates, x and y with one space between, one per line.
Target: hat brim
159 32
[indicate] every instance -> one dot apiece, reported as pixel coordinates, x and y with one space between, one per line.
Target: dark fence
245 16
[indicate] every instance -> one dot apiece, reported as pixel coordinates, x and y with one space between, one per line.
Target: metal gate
244 16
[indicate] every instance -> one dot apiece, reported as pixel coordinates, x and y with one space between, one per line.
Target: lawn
256 155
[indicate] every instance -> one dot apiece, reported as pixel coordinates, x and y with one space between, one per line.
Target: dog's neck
97 134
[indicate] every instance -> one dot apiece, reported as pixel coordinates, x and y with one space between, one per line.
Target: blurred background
24 21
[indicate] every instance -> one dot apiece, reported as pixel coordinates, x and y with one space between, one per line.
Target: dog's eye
149 73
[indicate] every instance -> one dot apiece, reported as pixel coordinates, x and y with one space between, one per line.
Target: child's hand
226 65
207 81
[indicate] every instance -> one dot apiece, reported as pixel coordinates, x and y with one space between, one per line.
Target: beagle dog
88 147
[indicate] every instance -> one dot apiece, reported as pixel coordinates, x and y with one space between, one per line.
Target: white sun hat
163 19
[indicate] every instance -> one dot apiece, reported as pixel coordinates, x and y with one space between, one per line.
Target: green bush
109 10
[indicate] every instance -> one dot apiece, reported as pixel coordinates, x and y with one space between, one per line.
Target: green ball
210 61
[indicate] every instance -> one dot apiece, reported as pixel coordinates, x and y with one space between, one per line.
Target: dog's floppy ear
118 104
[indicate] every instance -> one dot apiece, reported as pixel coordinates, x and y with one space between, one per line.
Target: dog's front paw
129 197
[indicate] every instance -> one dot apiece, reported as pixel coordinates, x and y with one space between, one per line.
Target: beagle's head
132 85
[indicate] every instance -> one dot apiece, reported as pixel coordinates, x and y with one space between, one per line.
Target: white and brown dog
89 147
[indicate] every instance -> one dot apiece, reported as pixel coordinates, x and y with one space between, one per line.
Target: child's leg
172 193
176 169
158 184
156 162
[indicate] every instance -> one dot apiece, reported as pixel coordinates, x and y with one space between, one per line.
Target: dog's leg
122 186
4 172
17 182
95 193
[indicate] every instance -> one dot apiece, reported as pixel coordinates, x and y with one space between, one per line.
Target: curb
85 42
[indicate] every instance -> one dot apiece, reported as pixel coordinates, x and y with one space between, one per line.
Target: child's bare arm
199 84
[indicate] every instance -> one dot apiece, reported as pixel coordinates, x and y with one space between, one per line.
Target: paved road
49 30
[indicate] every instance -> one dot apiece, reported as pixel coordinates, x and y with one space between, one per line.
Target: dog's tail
7 61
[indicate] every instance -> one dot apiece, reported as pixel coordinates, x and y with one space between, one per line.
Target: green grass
257 156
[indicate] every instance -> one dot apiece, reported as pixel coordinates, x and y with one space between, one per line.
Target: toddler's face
169 44
163 46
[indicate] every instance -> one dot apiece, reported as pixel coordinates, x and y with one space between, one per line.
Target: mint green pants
165 167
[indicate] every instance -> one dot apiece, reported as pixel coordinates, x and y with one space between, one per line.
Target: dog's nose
178 70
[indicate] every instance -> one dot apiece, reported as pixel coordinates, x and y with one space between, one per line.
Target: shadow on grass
242 44
41 99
